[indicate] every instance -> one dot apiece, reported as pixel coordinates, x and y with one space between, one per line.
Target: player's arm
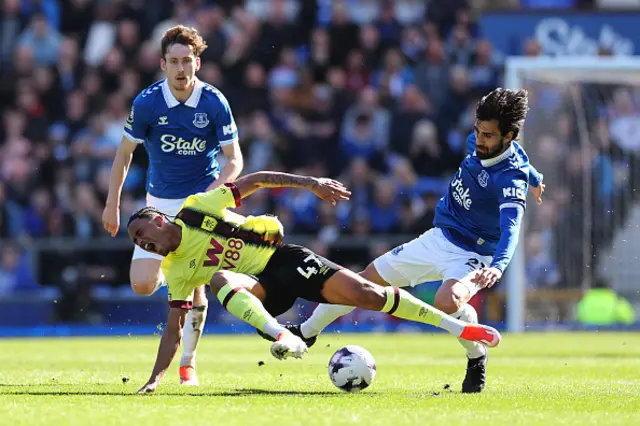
119 170
135 129
510 221
227 134
535 183
327 189
169 344
535 177
512 199
233 166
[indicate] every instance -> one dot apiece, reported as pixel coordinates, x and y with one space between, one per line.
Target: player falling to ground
183 124
476 227
255 276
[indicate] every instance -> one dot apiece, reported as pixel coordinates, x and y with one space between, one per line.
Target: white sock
321 317
468 314
274 329
452 325
193 328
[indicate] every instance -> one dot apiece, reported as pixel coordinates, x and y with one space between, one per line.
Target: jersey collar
193 100
495 160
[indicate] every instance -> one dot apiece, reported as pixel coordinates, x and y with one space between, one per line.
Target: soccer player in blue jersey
476 227
183 124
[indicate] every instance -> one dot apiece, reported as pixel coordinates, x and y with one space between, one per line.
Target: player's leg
145 274
325 314
453 297
348 288
407 264
243 296
194 327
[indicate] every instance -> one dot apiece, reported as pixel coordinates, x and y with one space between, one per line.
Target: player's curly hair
146 212
183 35
508 107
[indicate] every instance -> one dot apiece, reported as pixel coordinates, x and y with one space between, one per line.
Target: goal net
583 134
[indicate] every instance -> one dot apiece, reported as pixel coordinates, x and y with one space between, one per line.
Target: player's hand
487 277
330 190
149 387
537 192
111 219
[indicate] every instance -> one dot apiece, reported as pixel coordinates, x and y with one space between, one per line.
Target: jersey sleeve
226 129
512 187
135 128
223 197
512 190
471 143
535 177
510 222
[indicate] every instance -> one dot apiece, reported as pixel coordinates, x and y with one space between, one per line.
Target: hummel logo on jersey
459 192
230 129
163 120
149 91
513 193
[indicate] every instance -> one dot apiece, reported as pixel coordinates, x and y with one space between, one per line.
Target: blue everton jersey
182 139
469 214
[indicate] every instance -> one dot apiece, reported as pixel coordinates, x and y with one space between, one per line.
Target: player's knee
371 274
219 280
144 287
145 276
447 301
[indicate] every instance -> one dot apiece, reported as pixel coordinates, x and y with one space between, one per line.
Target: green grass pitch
534 379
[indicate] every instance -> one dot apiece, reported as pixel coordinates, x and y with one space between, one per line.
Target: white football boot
288 345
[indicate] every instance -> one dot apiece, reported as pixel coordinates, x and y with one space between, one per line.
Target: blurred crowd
380 94
586 138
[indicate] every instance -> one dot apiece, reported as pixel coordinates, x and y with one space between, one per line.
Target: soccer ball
352 368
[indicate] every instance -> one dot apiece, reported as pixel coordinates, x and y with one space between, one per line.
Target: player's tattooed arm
327 189
169 344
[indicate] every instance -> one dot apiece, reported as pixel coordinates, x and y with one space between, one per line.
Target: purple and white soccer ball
352 368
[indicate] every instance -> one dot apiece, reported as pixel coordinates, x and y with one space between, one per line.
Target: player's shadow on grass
25 390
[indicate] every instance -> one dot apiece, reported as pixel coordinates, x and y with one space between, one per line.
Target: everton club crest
483 178
200 120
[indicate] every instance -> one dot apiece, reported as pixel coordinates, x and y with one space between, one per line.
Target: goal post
580 133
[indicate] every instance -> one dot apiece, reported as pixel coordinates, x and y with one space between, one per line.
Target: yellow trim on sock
224 291
391 298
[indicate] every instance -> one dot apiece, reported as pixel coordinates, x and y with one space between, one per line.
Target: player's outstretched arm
232 168
169 344
327 189
535 183
119 170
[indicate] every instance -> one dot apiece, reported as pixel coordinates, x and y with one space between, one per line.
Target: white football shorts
166 206
430 257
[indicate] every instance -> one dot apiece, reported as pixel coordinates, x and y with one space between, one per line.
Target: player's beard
494 152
